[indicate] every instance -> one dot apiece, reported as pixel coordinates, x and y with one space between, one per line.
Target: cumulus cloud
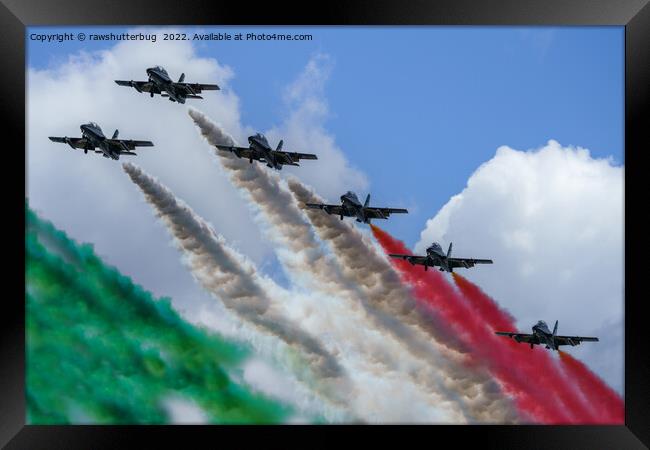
552 221
94 201
90 197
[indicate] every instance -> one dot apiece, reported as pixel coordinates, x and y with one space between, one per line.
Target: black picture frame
16 15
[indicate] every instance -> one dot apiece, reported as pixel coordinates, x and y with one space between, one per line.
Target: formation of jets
259 149
159 82
543 336
351 207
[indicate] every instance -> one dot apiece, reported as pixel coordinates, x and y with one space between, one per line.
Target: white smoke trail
348 307
339 313
361 262
288 227
236 284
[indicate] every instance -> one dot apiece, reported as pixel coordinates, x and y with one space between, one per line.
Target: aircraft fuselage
160 77
436 257
545 336
93 133
261 145
351 204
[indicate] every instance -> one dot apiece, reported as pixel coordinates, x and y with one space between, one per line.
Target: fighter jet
260 150
542 335
436 257
351 207
93 138
160 83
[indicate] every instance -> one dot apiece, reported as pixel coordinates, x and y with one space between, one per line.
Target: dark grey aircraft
160 83
436 257
542 335
260 150
93 138
351 207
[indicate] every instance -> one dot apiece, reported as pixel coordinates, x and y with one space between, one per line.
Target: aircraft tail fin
180 80
367 202
449 250
115 134
555 329
280 144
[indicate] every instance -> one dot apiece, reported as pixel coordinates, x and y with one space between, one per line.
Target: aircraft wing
194 88
81 143
291 158
520 337
130 145
329 209
383 213
241 152
573 340
467 262
140 86
413 259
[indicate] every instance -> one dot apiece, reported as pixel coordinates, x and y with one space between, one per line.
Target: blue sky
418 109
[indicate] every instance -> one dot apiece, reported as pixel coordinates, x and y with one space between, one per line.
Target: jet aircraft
160 83
436 257
259 149
351 207
94 139
543 336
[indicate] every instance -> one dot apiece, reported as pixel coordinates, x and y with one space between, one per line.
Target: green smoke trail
101 349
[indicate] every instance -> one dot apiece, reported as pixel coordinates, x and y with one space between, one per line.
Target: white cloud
303 130
94 201
552 221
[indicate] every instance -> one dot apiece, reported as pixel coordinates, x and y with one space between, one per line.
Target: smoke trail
369 270
514 369
484 306
81 367
345 311
498 319
604 403
289 228
602 398
386 293
220 271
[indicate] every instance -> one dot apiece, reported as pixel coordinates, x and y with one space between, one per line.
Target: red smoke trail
489 311
485 307
602 397
529 376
